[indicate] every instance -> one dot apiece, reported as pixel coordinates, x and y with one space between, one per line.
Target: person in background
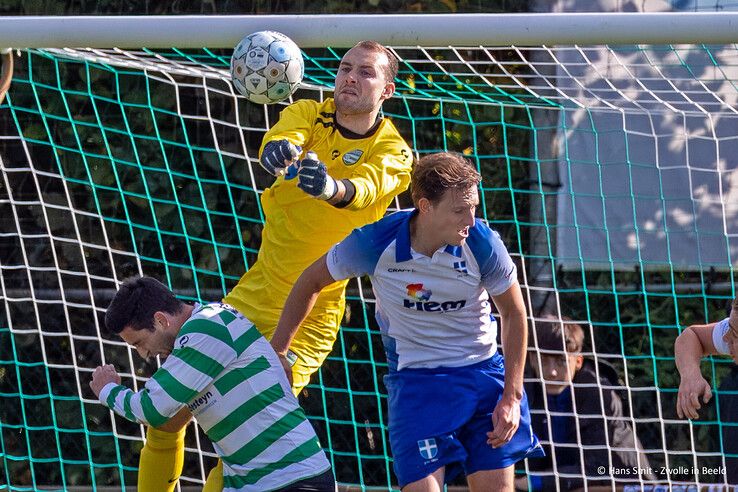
573 408
694 343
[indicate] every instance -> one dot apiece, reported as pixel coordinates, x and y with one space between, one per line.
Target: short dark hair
435 173
393 65
554 334
136 302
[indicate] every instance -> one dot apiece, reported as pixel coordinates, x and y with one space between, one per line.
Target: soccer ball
266 67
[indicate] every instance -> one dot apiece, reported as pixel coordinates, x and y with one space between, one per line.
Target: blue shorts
440 417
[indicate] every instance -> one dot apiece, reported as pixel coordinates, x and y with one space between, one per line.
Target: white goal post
310 31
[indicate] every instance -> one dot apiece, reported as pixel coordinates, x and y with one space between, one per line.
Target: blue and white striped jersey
433 312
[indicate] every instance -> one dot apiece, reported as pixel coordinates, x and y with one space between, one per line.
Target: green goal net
610 173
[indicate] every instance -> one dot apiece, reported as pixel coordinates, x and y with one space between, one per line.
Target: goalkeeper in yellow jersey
338 164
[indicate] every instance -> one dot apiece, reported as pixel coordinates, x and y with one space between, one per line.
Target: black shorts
320 483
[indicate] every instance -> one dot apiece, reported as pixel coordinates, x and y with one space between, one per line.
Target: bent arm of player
384 175
506 415
689 348
150 406
352 257
313 179
175 383
298 305
178 422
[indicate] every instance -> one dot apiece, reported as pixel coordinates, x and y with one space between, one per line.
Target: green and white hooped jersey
226 372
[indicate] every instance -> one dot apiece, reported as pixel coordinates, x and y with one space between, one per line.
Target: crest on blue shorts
428 448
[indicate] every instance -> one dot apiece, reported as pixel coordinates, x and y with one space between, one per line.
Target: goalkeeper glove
314 179
277 155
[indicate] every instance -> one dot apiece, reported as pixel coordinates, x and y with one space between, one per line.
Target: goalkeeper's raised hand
313 178
277 155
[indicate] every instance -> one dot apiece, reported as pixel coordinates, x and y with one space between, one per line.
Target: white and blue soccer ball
267 67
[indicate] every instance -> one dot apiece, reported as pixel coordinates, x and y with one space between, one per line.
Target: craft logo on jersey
421 301
183 341
428 448
350 158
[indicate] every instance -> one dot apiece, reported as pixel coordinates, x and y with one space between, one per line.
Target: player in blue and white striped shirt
454 404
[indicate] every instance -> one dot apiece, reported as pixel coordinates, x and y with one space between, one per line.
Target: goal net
610 172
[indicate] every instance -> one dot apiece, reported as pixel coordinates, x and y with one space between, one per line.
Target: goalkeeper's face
361 82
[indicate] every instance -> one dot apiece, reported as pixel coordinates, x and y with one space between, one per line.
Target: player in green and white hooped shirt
220 367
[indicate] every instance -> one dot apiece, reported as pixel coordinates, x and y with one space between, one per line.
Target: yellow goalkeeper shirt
299 229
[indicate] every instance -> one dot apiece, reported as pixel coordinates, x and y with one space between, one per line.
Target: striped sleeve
201 352
139 406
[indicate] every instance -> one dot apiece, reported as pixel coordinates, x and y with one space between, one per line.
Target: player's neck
181 317
421 240
357 123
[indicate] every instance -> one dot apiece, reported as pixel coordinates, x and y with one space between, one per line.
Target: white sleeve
718 336
495 265
356 255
